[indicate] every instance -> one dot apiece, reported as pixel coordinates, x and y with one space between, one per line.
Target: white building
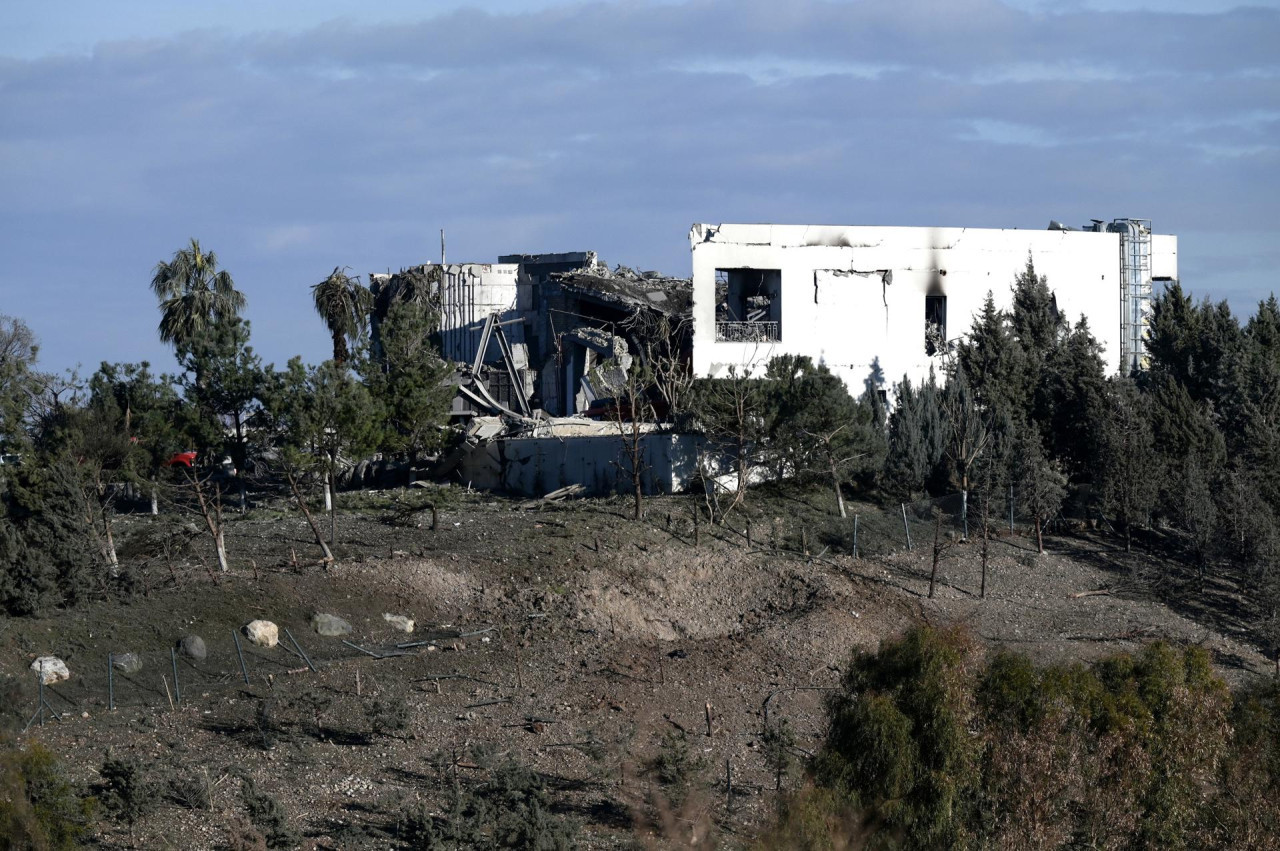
851 297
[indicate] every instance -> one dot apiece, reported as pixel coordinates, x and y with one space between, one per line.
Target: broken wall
534 466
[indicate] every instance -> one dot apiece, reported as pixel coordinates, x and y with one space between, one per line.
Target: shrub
38 807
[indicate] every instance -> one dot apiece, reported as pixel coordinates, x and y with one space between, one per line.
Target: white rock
262 633
403 623
51 669
329 624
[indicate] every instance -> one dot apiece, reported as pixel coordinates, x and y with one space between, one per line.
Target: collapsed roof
629 289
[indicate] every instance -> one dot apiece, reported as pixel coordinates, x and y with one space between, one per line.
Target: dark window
935 323
748 304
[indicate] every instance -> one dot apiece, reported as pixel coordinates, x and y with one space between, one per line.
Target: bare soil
564 634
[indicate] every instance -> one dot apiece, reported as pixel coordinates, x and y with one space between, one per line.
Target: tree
815 427
994 362
221 385
18 379
1128 458
1195 511
1073 400
730 412
917 440
1039 484
286 410
967 433
344 305
194 295
338 419
411 381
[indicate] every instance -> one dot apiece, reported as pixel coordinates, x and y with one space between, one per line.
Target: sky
296 136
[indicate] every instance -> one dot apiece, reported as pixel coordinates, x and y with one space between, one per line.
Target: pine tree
1127 458
1038 483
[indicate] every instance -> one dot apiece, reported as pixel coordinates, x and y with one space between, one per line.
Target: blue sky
292 137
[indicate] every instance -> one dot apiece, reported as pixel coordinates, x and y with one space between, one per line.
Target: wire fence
202 670
884 529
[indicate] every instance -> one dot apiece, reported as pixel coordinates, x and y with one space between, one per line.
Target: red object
185 459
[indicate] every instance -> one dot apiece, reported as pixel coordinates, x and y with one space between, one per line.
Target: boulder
404 623
192 646
329 624
51 669
262 633
126 663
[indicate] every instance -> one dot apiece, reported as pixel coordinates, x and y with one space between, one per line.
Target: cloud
610 126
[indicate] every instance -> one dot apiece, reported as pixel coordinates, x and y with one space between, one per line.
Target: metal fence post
177 689
111 683
855 534
1011 509
905 527
243 670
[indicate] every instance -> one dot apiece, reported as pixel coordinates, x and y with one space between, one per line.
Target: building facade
865 300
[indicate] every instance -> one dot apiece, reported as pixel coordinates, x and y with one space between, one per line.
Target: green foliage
917 440
676 767
387 715
929 748
899 741
194 295
18 381
39 809
1127 457
510 809
344 305
777 745
126 793
45 538
410 380
268 816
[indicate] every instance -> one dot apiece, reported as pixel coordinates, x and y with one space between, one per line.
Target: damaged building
856 298
542 343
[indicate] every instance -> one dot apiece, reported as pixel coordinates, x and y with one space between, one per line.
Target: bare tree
729 412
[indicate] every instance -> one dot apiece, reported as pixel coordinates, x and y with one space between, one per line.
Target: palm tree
194 295
344 306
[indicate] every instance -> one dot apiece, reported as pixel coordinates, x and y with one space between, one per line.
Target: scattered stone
329 624
192 646
126 663
262 633
51 669
404 623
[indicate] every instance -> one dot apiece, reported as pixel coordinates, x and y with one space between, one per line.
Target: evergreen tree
1073 392
815 427
411 381
1039 485
994 363
1127 458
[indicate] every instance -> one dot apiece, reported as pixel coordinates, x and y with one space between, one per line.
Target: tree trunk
155 498
315 529
333 507
221 546
1039 537
982 591
937 554
835 481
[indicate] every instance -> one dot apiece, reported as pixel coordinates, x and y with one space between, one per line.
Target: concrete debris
330 625
262 633
192 646
126 663
51 669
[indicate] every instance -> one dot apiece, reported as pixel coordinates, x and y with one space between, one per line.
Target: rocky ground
579 642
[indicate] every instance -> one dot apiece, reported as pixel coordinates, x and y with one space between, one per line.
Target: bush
126 793
268 816
38 807
932 749
509 810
